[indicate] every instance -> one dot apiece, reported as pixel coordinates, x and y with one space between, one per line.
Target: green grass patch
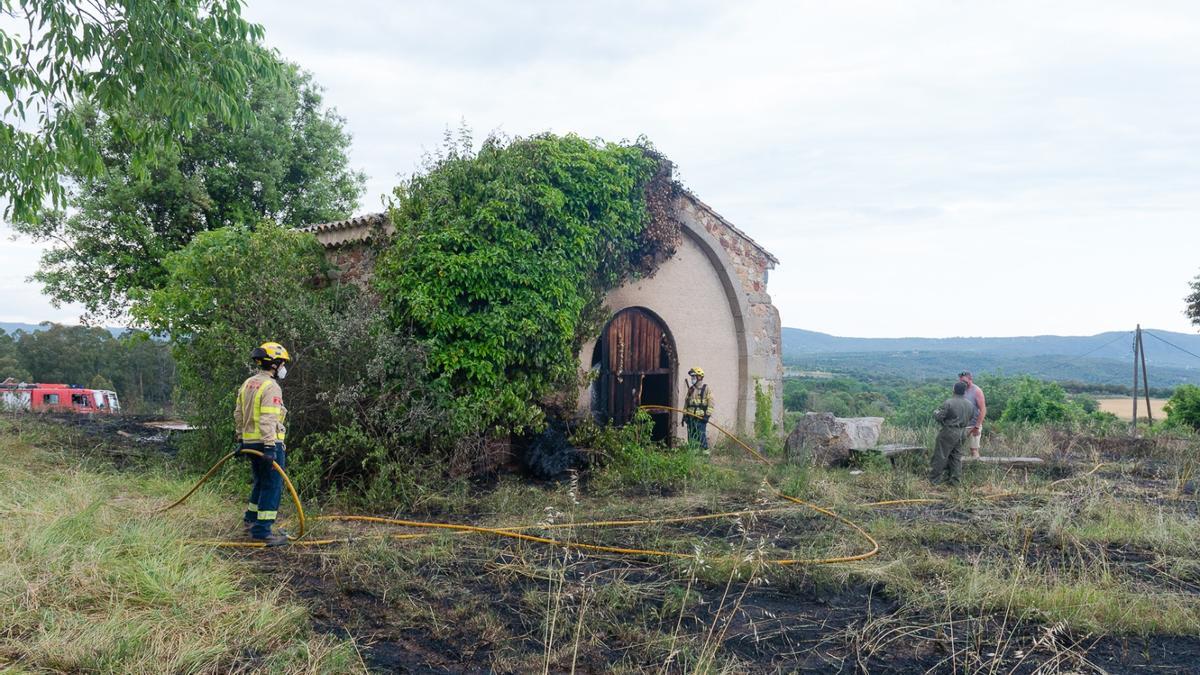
1096 602
1139 524
626 459
92 580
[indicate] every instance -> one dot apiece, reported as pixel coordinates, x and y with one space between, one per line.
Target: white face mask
281 373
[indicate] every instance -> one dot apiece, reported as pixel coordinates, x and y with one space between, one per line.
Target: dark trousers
947 455
697 431
263 508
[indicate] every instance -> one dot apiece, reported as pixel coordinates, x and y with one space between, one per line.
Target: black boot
276 538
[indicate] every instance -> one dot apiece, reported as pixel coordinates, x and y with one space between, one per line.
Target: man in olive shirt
955 417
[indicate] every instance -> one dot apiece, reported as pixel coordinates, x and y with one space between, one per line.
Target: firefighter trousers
263 508
697 431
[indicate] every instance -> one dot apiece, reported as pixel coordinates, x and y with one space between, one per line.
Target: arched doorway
636 364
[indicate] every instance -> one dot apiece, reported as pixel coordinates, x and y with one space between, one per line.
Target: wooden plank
644 343
1006 461
640 358
891 449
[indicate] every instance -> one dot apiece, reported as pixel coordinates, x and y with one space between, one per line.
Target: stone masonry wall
752 266
355 261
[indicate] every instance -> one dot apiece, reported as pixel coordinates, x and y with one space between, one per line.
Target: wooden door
637 367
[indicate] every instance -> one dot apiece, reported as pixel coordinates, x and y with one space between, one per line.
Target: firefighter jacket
258 415
699 400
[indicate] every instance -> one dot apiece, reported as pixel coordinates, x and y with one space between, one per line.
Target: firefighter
955 417
699 405
258 420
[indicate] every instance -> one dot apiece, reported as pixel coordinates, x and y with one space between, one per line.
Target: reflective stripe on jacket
699 401
258 414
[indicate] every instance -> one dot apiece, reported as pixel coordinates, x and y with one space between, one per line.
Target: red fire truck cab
57 398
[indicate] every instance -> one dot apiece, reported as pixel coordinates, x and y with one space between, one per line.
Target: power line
1093 351
1171 344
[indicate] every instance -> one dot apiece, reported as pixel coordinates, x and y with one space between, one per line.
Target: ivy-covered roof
360 228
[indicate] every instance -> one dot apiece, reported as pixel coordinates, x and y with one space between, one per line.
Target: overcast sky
919 168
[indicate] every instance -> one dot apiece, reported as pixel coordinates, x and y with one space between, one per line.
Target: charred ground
1087 565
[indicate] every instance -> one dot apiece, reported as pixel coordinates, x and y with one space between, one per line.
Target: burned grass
1031 583
1053 577
1068 568
483 614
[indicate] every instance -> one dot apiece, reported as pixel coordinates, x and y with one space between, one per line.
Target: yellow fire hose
221 462
518 532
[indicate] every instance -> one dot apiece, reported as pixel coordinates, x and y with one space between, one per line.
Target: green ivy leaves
498 255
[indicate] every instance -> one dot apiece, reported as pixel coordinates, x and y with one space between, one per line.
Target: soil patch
125 440
794 624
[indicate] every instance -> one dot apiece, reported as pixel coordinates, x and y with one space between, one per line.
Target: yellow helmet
697 371
270 351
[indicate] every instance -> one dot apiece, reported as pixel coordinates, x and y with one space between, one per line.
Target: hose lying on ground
519 532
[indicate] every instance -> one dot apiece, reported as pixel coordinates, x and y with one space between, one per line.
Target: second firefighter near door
705 306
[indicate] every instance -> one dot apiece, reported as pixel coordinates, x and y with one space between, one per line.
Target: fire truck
26 397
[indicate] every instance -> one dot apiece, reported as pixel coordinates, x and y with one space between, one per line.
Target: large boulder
863 432
822 437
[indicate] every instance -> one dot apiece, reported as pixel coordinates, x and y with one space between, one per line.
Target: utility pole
1135 377
1145 375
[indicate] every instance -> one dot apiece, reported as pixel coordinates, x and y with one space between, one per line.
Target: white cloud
880 150
21 300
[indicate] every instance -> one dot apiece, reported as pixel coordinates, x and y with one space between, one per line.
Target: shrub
1038 402
501 259
1087 403
998 390
358 404
1102 423
226 292
494 278
764 403
624 457
1183 408
842 396
915 410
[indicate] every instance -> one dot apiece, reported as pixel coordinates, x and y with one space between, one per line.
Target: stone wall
355 262
687 294
353 245
751 265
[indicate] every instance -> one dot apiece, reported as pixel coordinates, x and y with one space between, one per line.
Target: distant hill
1103 359
12 327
